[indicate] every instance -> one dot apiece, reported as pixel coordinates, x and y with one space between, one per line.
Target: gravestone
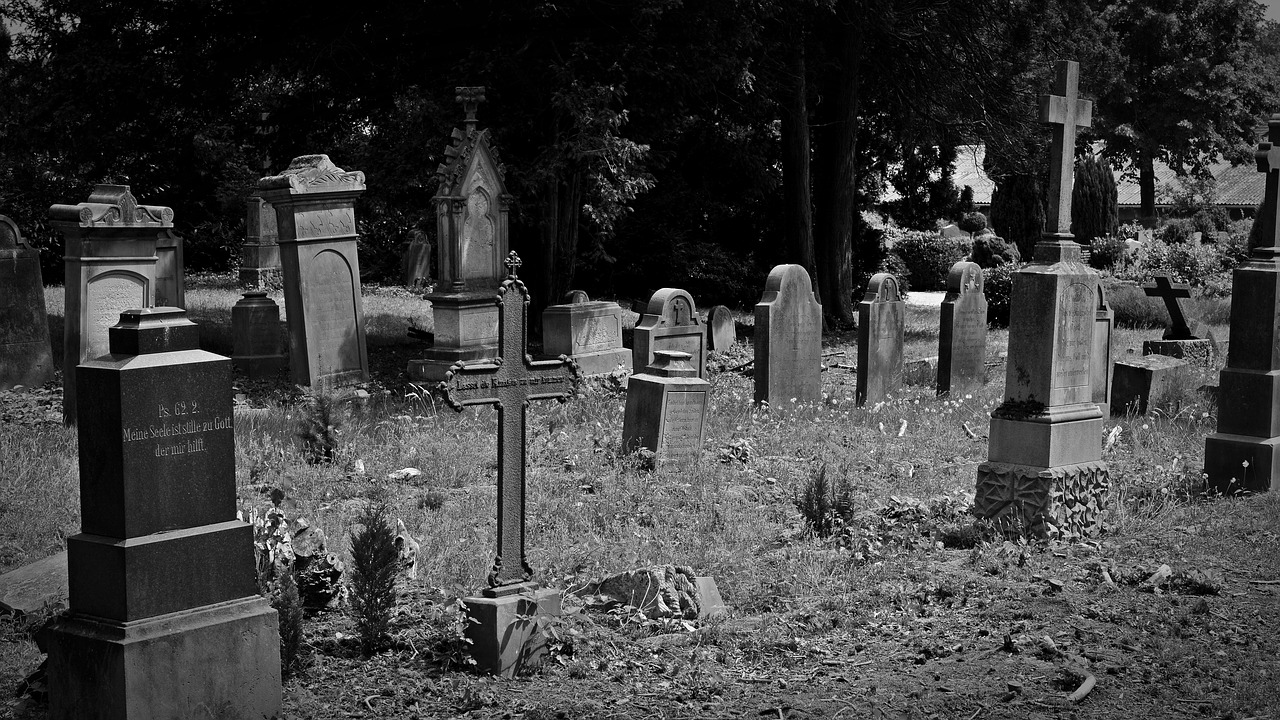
472 205
670 322
260 254
314 202
1244 453
1141 381
722 330
1100 374
881 322
25 354
415 266
962 335
589 332
503 639
165 618
171 282
110 260
666 409
257 343
1044 474
1181 339
788 339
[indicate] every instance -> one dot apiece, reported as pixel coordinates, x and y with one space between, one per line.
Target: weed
823 504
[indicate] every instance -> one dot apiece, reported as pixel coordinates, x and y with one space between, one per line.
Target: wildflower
1245 464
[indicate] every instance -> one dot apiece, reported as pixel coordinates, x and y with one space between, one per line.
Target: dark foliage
997 284
972 222
319 418
288 605
374 564
822 504
1094 209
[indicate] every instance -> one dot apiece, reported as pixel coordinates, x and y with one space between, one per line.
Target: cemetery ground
886 602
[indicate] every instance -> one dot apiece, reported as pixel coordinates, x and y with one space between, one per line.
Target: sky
1273 9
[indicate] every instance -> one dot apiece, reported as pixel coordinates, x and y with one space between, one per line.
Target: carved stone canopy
112 206
314 174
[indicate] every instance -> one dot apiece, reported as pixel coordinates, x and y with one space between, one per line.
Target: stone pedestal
110 260
315 215
590 332
260 254
466 328
165 618
25 353
666 409
881 322
962 332
507 633
257 341
1044 474
1140 381
171 282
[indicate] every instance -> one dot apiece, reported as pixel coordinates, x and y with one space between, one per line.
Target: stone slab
788 339
710 603
27 589
507 633
1140 381
1200 351
218 662
604 361
722 329
580 328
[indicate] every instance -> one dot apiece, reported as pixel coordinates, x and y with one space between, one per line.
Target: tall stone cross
1066 112
1268 157
1170 292
510 381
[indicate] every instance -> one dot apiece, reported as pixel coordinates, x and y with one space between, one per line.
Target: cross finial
1268 157
1066 111
513 262
470 97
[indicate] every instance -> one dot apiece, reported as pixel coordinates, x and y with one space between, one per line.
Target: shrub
1135 309
374 564
1094 208
927 256
822 503
991 250
288 605
1210 220
1105 253
318 422
998 287
1175 231
972 222
1017 210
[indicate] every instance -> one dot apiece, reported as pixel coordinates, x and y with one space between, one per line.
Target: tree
1094 209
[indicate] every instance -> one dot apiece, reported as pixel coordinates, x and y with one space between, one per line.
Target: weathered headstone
472 204
260 254
1244 454
171 281
962 335
415 266
670 322
503 639
881 322
257 343
722 329
1100 374
666 409
110 261
1044 474
25 353
1181 339
315 213
1141 381
166 620
37 586
788 339
589 332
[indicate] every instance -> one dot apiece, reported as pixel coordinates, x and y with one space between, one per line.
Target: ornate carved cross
1170 292
1268 157
1065 111
510 381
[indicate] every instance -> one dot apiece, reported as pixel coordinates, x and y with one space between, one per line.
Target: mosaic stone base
1067 502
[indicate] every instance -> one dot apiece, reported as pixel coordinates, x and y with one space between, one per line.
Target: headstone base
1241 463
1065 502
1137 382
1253 399
219 661
1200 351
506 633
604 361
1069 436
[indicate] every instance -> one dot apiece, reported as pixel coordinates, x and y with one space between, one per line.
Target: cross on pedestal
1065 111
510 381
1268 157
1170 292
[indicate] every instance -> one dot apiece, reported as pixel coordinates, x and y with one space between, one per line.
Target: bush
972 222
1105 253
1135 309
998 286
823 504
1094 209
288 605
1192 263
991 250
927 256
1210 220
1175 231
374 564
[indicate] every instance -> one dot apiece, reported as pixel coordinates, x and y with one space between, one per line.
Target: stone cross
1066 112
510 381
470 98
1268 157
1170 292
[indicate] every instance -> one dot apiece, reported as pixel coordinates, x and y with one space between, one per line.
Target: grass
594 511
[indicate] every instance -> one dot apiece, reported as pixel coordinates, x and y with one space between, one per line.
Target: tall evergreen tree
1094 208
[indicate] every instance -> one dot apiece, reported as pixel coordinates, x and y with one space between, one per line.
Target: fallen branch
833 353
845 366
1085 688
972 435
739 367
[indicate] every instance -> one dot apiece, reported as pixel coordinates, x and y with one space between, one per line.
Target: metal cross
1066 112
1170 292
1268 157
510 381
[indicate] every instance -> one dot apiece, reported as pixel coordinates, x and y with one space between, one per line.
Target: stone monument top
112 206
313 174
1268 159
1065 111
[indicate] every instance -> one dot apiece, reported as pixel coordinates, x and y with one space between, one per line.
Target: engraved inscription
1074 341
691 344
330 222
682 423
105 298
178 428
599 333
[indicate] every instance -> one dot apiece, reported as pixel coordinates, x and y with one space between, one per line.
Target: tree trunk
561 208
836 179
1147 187
796 194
